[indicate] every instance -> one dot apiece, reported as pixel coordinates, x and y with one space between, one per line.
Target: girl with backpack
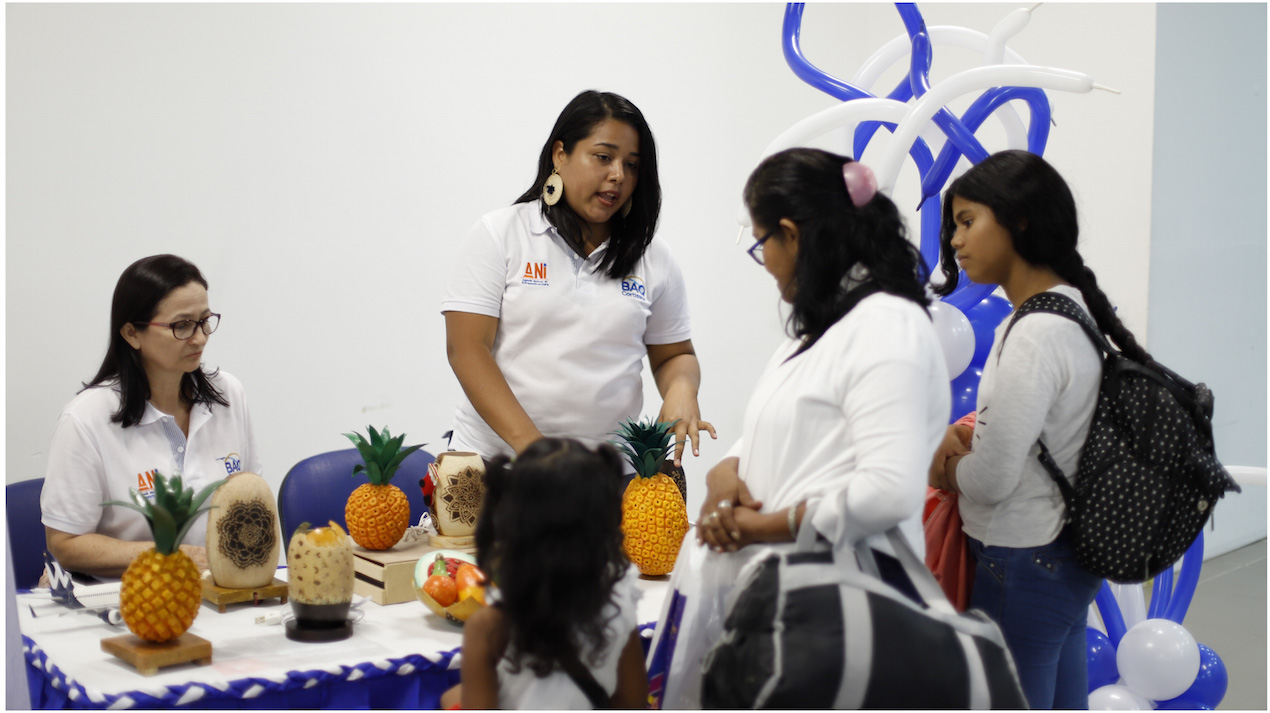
561 629
1011 220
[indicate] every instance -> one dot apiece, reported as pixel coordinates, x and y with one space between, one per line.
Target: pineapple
377 512
654 516
161 590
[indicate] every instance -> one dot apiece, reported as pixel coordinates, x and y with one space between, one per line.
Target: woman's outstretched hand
689 424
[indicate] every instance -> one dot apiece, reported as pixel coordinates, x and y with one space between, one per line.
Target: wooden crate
387 576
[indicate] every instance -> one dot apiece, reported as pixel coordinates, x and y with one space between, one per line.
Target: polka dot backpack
1148 476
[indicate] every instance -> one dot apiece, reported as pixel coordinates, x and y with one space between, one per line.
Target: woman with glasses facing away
150 409
847 412
558 298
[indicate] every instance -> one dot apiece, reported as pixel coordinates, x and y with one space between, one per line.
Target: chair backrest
26 532
316 489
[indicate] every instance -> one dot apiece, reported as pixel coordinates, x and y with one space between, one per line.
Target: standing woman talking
150 409
1011 220
557 299
841 425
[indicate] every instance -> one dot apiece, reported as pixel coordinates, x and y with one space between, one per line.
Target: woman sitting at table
150 408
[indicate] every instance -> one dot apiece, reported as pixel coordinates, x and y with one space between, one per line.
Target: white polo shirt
570 340
93 460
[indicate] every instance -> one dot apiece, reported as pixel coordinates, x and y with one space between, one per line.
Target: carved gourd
243 539
460 486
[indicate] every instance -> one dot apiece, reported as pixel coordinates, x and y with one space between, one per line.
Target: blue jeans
1040 598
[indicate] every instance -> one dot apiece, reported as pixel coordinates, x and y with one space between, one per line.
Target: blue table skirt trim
415 681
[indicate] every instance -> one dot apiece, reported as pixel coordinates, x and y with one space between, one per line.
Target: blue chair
26 532
316 489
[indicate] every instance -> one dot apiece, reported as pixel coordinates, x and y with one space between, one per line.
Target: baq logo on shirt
232 462
535 274
632 286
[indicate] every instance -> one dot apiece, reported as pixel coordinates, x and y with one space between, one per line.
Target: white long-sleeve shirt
853 422
1044 386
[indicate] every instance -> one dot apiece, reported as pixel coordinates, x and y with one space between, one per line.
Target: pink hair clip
862 185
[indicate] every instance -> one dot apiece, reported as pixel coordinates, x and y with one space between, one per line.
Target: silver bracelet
793 520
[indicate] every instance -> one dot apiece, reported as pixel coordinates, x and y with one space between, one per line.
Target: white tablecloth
68 649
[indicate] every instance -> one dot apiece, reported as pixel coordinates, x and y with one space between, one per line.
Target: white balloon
924 109
956 336
1117 698
1158 659
1132 601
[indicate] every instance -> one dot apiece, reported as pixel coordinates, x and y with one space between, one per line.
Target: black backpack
1148 476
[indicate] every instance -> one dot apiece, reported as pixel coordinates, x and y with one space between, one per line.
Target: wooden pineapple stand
148 657
222 597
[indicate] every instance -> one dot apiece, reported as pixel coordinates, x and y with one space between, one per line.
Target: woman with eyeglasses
558 298
150 409
841 425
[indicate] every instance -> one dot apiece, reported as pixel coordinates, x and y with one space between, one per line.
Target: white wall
320 164
1208 237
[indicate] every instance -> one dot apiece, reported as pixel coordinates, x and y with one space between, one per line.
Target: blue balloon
980 110
1187 580
1209 687
965 392
984 318
1109 608
1102 660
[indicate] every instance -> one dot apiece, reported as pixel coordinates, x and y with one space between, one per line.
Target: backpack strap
1063 306
585 680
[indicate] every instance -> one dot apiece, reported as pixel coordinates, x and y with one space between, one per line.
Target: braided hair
1032 201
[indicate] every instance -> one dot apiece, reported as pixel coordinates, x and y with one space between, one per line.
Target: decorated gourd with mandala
243 539
459 481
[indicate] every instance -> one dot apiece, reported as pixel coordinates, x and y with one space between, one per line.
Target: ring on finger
712 517
724 504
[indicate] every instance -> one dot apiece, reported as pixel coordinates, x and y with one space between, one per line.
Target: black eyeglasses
756 250
185 328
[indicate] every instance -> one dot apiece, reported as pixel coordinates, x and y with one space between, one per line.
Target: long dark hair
550 536
138 293
1032 201
807 187
631 235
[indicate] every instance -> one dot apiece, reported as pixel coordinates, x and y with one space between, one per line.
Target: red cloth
946 552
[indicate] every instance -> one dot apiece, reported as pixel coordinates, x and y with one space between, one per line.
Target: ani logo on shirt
145 483
535 274
632 286
233 463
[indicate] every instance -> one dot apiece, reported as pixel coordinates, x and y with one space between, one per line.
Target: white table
400 656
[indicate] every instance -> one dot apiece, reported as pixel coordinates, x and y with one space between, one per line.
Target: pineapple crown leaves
381 455
172 511
645 444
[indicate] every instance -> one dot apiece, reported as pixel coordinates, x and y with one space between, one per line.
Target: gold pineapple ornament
378 512
161 590
654 515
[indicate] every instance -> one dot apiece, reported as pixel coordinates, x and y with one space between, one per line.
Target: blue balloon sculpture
1210 684
1102 660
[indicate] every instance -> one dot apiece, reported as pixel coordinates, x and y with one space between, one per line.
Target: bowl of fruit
450 584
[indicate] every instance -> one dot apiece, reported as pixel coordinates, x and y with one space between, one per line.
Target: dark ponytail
1033 202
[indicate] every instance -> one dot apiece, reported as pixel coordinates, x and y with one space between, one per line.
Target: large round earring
626 209
553 189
